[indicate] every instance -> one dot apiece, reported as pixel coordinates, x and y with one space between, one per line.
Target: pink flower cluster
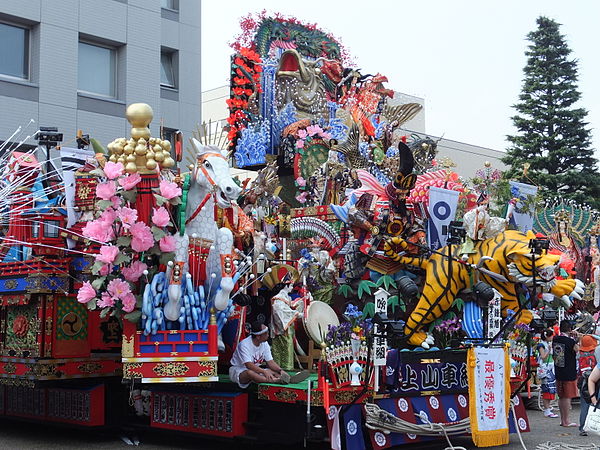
169 190
118 290
118 220
311 131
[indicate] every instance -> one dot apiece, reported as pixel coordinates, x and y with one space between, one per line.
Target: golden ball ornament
151 164
128 149
166 145
130 167
139 115
160 156
487 164
168 162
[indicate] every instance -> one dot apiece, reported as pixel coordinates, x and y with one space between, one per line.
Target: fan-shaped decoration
401 113
307 227
280 273
578 218
349 148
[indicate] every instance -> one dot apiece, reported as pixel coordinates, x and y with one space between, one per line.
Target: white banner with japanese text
489 395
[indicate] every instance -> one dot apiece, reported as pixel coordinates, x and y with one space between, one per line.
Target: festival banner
521 193
426 376
442 209
489 395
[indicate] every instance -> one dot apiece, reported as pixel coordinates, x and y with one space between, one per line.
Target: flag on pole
521 192
442 210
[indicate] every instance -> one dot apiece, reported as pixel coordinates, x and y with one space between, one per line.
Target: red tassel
145 200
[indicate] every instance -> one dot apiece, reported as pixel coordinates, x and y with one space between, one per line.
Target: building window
169 134
168 68
14 51
97 69
170 4
51 229
35 231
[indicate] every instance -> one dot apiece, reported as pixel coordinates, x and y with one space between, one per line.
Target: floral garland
124 241
246 70
259 30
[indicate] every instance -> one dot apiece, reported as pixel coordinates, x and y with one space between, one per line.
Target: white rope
512 407
379 419
562 446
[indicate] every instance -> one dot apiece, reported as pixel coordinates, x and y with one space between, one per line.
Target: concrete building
77 64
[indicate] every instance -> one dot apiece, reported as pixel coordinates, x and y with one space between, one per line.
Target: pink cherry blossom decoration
106 301
107 254
134 271
142 238
160 218
131 181
113 170
128 216
169 190
106 190
167 244
86 293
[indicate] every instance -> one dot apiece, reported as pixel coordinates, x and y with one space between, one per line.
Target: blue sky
465 58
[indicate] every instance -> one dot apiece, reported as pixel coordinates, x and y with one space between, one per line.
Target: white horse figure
211 183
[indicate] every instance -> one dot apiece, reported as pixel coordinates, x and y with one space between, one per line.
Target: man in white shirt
250 354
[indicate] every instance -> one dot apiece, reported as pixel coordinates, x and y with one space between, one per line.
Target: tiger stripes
438 295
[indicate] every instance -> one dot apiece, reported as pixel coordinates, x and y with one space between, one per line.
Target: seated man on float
250 354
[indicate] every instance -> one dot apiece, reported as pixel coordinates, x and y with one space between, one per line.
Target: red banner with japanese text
489 395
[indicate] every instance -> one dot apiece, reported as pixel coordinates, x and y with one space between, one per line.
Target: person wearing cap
587 362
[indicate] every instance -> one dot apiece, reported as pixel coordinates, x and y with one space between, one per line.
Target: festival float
130 281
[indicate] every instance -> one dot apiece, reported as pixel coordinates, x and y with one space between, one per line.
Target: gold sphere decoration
487 164
139 115
169 162
141 152
113 158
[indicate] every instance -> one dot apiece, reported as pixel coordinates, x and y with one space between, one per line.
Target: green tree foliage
551 130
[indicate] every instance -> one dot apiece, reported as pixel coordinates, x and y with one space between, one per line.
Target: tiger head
521 266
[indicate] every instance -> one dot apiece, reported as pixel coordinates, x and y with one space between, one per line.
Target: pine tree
552 135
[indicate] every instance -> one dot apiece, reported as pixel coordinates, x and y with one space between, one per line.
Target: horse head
212 172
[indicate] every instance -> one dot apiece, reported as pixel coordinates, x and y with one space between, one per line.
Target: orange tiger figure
511 258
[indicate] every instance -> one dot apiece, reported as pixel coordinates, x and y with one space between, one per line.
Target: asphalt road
20 435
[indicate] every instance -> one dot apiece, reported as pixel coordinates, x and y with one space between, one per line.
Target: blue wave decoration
252 146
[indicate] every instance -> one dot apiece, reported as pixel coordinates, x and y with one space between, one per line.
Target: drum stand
313 355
